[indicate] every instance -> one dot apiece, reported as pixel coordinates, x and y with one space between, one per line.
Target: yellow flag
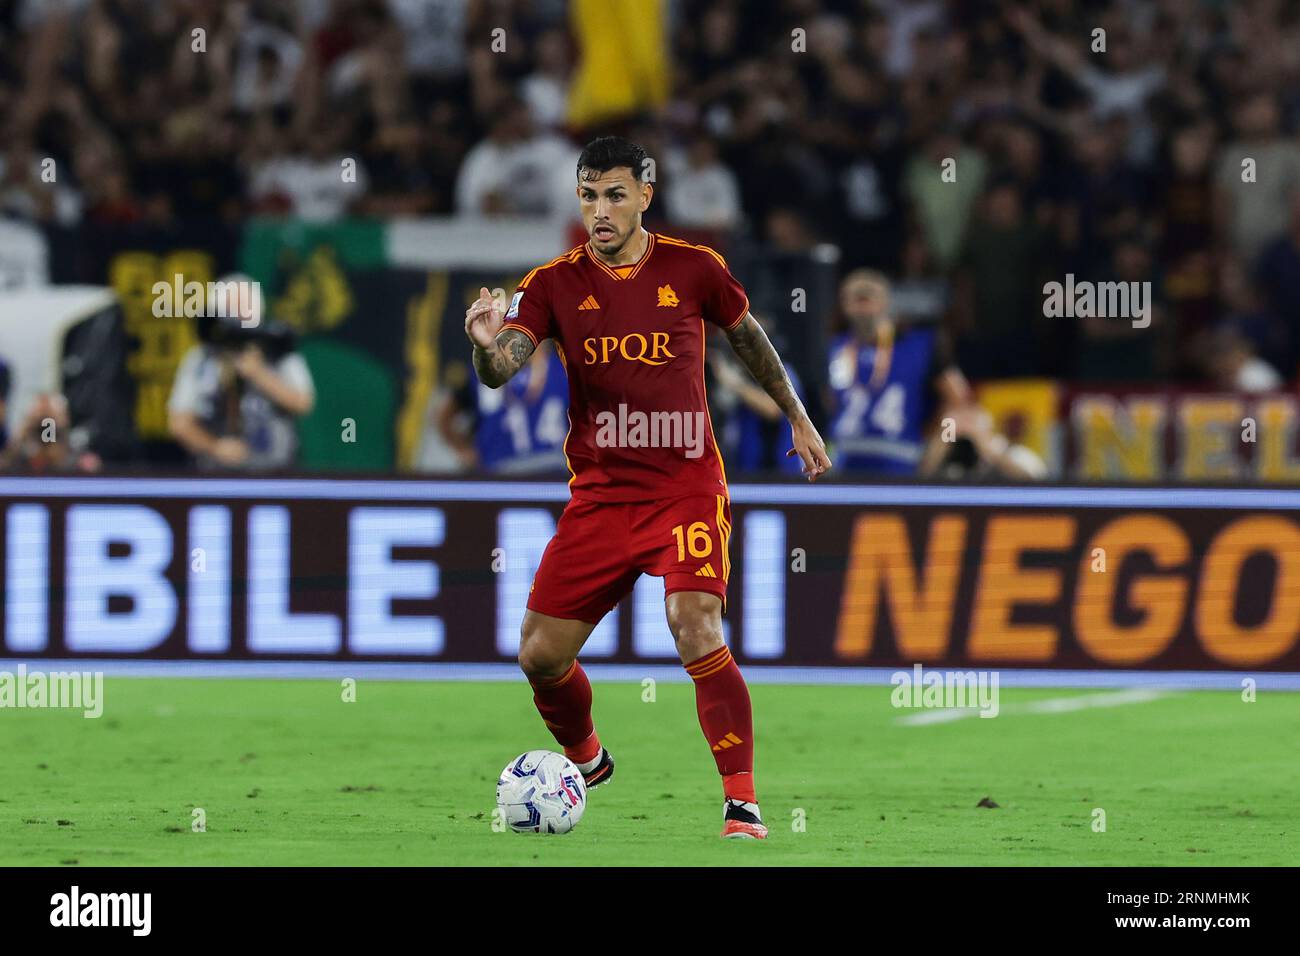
622 59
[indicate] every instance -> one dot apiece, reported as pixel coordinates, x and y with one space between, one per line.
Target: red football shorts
600 549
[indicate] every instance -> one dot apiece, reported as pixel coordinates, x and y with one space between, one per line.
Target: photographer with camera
46 442
238 392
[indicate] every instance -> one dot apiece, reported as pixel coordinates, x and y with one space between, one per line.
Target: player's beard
611 247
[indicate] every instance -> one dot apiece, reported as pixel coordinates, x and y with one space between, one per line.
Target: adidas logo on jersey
589 303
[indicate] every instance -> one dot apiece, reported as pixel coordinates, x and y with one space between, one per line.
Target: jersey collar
640 263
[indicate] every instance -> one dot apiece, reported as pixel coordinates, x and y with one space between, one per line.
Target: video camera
228 333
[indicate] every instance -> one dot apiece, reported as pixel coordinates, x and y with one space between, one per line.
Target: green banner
379 340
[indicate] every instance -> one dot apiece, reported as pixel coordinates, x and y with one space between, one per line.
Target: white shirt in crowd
435 34
705 197
249 90
316 188
533 177
547 98
269 431
1260 209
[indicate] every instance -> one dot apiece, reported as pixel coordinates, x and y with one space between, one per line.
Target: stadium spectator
704 193
30 189
754 433
517 171
321 183
1110 348
522 426
1249 312
266 69
191 179
904 19
1000 278
403 176
46 441
237 394
888 382
1019 160
788 231
766 148
920 293
110 199
978 452
1233 365
943 181
446 443
868 155
1254 211
435 34
546 89
519 428
1104 196
1117 84
448 140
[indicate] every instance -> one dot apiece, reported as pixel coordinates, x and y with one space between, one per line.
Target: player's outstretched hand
810 448
483 319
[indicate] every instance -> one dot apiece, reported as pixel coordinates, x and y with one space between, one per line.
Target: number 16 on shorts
702 545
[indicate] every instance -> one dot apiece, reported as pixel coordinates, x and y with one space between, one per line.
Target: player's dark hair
611 152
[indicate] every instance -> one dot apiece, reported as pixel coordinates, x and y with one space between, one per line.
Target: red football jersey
632 342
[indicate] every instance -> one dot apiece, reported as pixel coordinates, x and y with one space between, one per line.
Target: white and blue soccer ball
541 792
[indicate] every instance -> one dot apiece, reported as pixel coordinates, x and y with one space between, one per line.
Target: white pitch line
1065 705
1053 705
944 715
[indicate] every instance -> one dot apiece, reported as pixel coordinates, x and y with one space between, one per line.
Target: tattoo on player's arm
752 347
497 365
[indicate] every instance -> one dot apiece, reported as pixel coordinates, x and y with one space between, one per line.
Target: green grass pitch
287 773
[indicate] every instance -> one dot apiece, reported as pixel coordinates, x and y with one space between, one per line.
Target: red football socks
565 705
722 700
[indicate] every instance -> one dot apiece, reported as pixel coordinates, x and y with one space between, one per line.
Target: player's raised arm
498 353
753 348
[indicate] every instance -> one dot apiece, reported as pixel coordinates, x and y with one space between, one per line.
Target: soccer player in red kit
628 312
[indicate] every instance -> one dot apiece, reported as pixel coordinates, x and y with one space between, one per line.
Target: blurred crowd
1134 140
